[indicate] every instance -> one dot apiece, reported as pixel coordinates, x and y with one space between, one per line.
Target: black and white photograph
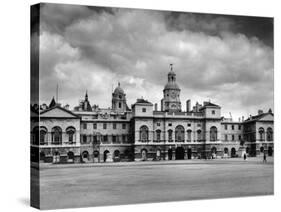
132 106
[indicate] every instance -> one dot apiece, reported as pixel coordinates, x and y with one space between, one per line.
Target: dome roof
170 85
119 90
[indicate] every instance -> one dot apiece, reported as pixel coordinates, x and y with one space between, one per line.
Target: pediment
57 112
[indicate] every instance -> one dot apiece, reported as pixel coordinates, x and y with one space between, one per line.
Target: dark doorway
170 154
105 155
70 156
270 151
179 153
189 152
233 152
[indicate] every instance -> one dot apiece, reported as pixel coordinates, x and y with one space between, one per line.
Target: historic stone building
142 132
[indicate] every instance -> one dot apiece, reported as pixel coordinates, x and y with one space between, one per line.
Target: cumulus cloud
84 48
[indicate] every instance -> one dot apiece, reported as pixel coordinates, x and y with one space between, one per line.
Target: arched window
70 131
144 133
170 135
179 134
261 133
213 133
269 134
158 135
189 135
56 135
199 135
43 133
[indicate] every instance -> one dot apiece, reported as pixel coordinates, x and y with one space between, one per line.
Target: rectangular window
198 125
84 126
114 138
104 126
239 137
123 126
233 137
170 124
225 137
239 127
232 127
84 139
225 126
143 110
94 126
213 112
124 138
95 139
105 138
114 126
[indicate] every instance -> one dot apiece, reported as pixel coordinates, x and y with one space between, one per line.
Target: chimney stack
155 107
242 118
188 105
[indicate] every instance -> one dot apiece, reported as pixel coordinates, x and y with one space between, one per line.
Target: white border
15 102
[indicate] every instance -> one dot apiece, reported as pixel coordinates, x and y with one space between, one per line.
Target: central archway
105 155
179 153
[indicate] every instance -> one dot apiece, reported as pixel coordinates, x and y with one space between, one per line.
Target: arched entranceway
262 149
233 152
105 155
85 156
270 151
179 153
144 154
170 154
96 156
116 155
189 153
70 156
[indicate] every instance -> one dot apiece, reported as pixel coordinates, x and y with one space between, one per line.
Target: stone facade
92 134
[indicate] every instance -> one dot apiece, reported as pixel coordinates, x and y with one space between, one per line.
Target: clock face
173 95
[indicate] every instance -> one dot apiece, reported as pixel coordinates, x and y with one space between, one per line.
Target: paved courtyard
142 182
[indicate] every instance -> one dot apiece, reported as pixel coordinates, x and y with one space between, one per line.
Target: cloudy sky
227 59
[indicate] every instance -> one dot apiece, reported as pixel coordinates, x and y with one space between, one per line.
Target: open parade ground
145 182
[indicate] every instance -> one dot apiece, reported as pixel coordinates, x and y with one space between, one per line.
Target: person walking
264 157
245 156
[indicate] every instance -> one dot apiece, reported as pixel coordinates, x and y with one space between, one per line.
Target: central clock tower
171 101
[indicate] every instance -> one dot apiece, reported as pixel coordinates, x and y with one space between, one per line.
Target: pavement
85 185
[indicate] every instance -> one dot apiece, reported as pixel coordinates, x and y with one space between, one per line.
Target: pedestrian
264 158
245 156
